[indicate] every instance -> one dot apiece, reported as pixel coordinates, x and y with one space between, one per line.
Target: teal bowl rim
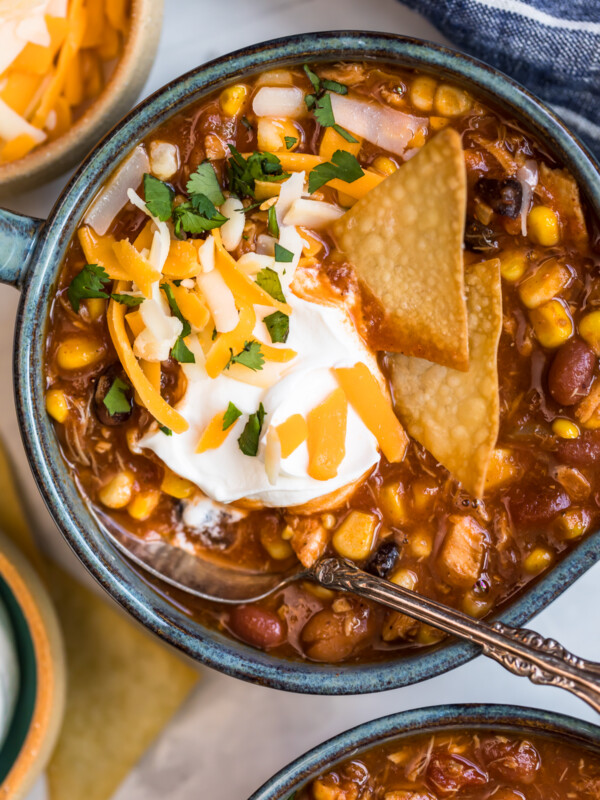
495 718
31 242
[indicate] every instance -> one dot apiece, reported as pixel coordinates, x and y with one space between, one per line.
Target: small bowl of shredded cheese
69 69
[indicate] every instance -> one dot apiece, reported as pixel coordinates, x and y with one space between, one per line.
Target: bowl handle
18 238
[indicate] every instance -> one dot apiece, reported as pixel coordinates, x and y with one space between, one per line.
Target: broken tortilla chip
405 241
454 414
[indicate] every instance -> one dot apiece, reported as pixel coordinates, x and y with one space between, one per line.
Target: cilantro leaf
268 280
290 141
334 86
243 172
251 357
282 254
278 325
116 400
324 116
272 224
205 182
180 351
165 430
190 216
127 300
230 416
90 282
343 165
159 197
248 441
312 77
310 100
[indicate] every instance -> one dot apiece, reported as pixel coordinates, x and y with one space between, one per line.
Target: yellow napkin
123 686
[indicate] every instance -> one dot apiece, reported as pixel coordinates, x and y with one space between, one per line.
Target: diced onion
13 125
219 299
385 127
275 77
279 101
265 245
527 175
272 455
113 196
312 213
164 159
251 263
206 254
232 230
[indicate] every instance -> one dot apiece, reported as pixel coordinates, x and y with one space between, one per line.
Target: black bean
103 385
384 560
504 197
479 237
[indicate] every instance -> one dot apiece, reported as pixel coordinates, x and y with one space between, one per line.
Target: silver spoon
521 651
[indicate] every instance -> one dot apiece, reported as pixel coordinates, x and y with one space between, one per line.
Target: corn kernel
175 486
57 405
545 283
79 352
513 265
287 533
543 226
328 521
393 503
271 133
420 543
278 548
539 559
475 606
404 577
422 92
450 101
326 791
437 123
96 307
565 428
384 165
574 522
117 492
232 99
502 467
143 505
552 324
320 592
589 329
354 537
423 493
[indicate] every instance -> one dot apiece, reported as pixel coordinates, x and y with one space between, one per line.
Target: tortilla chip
455 415
559 188
123 688
405 241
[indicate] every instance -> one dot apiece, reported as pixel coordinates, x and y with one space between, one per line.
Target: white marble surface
232 736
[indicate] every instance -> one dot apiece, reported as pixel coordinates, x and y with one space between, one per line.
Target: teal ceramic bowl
496 719
31 255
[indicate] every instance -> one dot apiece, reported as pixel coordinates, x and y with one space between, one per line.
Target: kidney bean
332 637
518 761
449 773
534 503
257 626
571 372
581 452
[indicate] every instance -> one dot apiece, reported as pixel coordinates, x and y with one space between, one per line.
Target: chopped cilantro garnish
165 430
268 280
272 224
313 78
320 86
159 197
248 441
282 254
205 182
278 325
251 357
116 400
197 215
90 282
128 299
230 416
324 116
180 351
244 172
214 335
290 141
343 165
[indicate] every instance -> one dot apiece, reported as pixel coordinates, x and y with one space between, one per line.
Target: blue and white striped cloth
550 46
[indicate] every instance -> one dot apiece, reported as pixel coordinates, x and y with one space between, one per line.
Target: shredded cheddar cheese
291 434
213 435
326 436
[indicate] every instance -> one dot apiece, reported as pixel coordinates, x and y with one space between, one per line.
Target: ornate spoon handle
521 651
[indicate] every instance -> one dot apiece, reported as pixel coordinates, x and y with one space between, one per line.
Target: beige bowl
115 100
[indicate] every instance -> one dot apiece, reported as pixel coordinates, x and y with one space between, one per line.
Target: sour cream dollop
323 337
